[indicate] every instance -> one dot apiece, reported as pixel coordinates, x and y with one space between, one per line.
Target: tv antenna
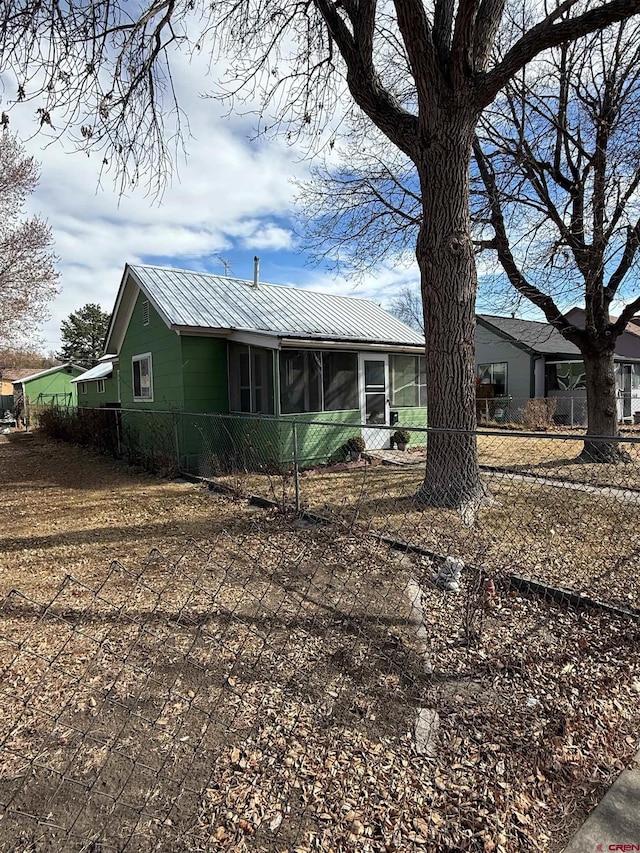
225 264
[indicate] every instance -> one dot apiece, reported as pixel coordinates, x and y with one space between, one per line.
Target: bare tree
558 157
406 305
361 203
422 74
28 278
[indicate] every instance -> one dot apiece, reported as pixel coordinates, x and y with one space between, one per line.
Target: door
374 403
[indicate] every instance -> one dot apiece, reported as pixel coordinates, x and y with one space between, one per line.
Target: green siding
204 370
319 440
91 399
53 383
416 416
166 363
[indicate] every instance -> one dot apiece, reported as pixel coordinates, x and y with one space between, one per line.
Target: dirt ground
571 525
184 672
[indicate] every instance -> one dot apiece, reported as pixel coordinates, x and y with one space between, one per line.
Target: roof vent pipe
256 270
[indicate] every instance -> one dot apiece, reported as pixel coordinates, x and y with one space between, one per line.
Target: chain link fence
352 670
548 412
560 507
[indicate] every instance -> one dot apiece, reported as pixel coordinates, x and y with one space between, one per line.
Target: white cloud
231 195
228 191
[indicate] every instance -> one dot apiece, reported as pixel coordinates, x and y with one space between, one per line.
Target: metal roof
104 368
539 337
196 300
58 367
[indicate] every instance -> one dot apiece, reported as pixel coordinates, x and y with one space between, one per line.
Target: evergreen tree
83 334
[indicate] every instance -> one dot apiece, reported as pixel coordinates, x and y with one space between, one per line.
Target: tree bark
449 281
602 408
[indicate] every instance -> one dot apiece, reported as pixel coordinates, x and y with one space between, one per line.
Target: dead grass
255 690
585 539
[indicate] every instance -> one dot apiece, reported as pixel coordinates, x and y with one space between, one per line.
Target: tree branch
548 34
621 323
398 124
542 300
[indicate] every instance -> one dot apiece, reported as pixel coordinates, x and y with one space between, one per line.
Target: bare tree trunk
449 281
602 409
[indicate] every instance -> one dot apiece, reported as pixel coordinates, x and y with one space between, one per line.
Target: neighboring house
51 387
9 375
523 359
203 343
97 388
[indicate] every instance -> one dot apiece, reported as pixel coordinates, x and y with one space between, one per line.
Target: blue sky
233 198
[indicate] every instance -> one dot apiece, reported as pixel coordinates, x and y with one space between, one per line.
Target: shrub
355 444
401 436
538 414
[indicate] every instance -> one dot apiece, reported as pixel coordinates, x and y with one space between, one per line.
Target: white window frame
100 386
489 367
139 358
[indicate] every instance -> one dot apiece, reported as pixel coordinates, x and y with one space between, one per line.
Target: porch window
100 384
339 381
494 374
83 387
565 376
300 381
142 378
250 379
408 380
312 381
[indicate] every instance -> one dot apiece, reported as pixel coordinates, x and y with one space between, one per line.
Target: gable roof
536 337
55 369
196 302
14 374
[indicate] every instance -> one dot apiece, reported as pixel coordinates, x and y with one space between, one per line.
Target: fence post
118 416
296 472
572 411
176 438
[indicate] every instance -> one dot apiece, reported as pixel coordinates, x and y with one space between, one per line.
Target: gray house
525 359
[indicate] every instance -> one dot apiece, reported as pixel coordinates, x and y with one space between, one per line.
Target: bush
538 414
355 444
401 436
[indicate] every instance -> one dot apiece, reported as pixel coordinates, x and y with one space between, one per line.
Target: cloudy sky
232 199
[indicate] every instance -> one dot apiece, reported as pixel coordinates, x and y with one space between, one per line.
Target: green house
97 388
51 387
204 344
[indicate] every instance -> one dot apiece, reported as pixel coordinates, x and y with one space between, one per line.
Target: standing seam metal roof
207 301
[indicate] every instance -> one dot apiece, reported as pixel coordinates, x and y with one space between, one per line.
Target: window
312 381
496 375
300 381
565 376
250 379
339 381
142 378
408 380
145 313
100 386
83 387
422 381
